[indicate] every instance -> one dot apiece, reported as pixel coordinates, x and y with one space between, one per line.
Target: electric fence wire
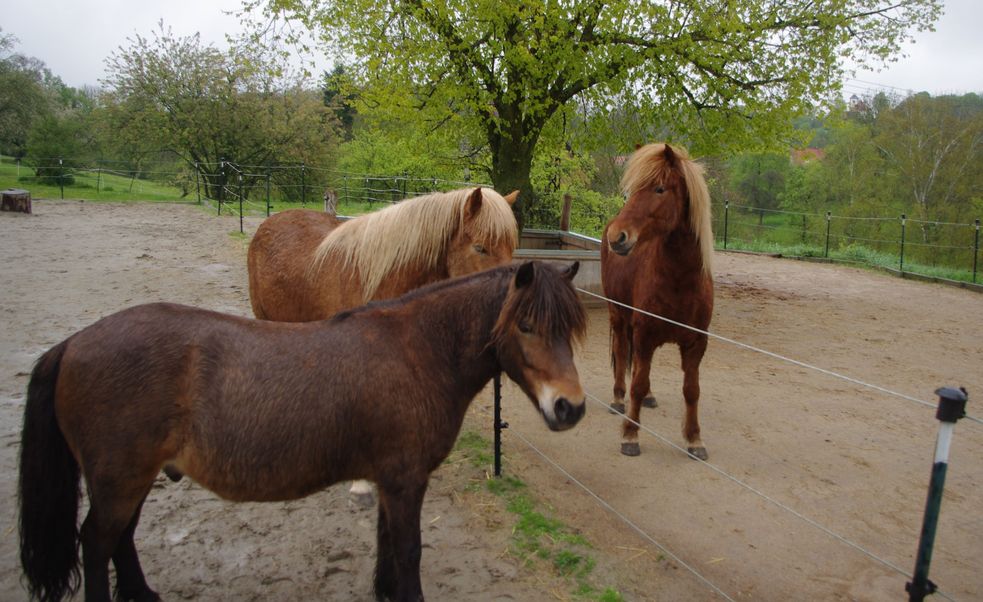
777 356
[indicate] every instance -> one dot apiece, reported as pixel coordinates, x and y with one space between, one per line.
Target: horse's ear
670 156
512 197
571 271
472 207
525 274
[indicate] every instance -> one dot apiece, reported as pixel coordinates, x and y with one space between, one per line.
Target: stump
15 199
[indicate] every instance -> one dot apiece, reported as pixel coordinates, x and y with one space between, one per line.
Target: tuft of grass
538 539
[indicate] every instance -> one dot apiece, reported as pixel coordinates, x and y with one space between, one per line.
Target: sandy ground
853 460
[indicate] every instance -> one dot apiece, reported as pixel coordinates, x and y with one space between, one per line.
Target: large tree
722 73
208 106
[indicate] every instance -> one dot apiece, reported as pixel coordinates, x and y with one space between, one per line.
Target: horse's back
279 259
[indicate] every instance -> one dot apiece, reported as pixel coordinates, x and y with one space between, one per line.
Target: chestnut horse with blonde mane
265 411
656 256
307 265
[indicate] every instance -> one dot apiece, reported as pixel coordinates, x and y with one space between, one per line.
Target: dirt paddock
848 458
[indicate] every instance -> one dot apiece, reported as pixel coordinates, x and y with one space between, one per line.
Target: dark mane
549 302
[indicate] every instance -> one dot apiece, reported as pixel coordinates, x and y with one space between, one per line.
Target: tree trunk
15 199
511 168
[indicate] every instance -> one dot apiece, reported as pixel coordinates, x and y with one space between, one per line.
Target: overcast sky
75 37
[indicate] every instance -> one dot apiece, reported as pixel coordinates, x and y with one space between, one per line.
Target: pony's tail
48 490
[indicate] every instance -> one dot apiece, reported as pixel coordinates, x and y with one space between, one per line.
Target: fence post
499 424
267 193
221 184
976 249
197 183
98 176
241 229
903 220
565 213
303 185
61 179
345 179
726 217
828 218
952 407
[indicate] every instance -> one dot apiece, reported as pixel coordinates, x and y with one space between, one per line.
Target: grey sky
75 38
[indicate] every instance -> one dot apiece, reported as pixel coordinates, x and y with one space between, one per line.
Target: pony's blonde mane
412 234
647 165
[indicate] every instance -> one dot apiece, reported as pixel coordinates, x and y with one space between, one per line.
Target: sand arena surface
854 460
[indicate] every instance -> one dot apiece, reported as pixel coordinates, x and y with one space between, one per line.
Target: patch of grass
538 539
87 185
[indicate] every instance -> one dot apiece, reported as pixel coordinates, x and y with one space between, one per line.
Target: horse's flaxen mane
647 165
549 303
413 233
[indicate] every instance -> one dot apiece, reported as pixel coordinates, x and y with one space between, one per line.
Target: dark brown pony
308 265
656 257
264 411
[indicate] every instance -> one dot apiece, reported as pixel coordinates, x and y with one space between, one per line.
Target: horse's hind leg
130 581
107 532
691 356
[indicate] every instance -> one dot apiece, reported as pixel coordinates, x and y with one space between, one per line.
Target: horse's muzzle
565 414
623 245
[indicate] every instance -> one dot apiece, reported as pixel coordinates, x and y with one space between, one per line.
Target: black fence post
267 193
241 229
952 407
903 220
197 183
726 218
303 185
828 219
221 184
98 176
499 425
61 179
976 249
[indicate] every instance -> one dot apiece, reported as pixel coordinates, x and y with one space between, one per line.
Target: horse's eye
525 327
480 249
659 189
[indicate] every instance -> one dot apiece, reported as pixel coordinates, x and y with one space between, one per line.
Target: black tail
48 490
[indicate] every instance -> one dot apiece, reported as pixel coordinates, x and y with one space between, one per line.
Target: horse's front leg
691 356
398 565
620 348
642 350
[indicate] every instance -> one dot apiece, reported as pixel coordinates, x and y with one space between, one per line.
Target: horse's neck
403 280
678 255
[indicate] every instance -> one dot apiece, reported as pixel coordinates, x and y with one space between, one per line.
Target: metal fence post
303 185
221 184
241 229
197 183
61 179
828 219
903 220
952 407
976 249
267 193
726 216
499 425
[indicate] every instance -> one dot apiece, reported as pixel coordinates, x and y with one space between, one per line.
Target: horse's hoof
147 595
617 407
362 500
650 402
631 448
698 453
173 473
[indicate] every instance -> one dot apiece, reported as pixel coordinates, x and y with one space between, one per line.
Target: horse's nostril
622 238
562 409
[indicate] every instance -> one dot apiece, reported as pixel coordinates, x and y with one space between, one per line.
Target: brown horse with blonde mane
656 256
264 411
307 265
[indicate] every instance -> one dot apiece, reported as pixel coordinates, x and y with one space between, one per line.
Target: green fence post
903 220
241 229
976 249
197 184
303 185
828 218
726 217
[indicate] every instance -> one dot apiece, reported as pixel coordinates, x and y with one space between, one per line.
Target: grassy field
88 185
